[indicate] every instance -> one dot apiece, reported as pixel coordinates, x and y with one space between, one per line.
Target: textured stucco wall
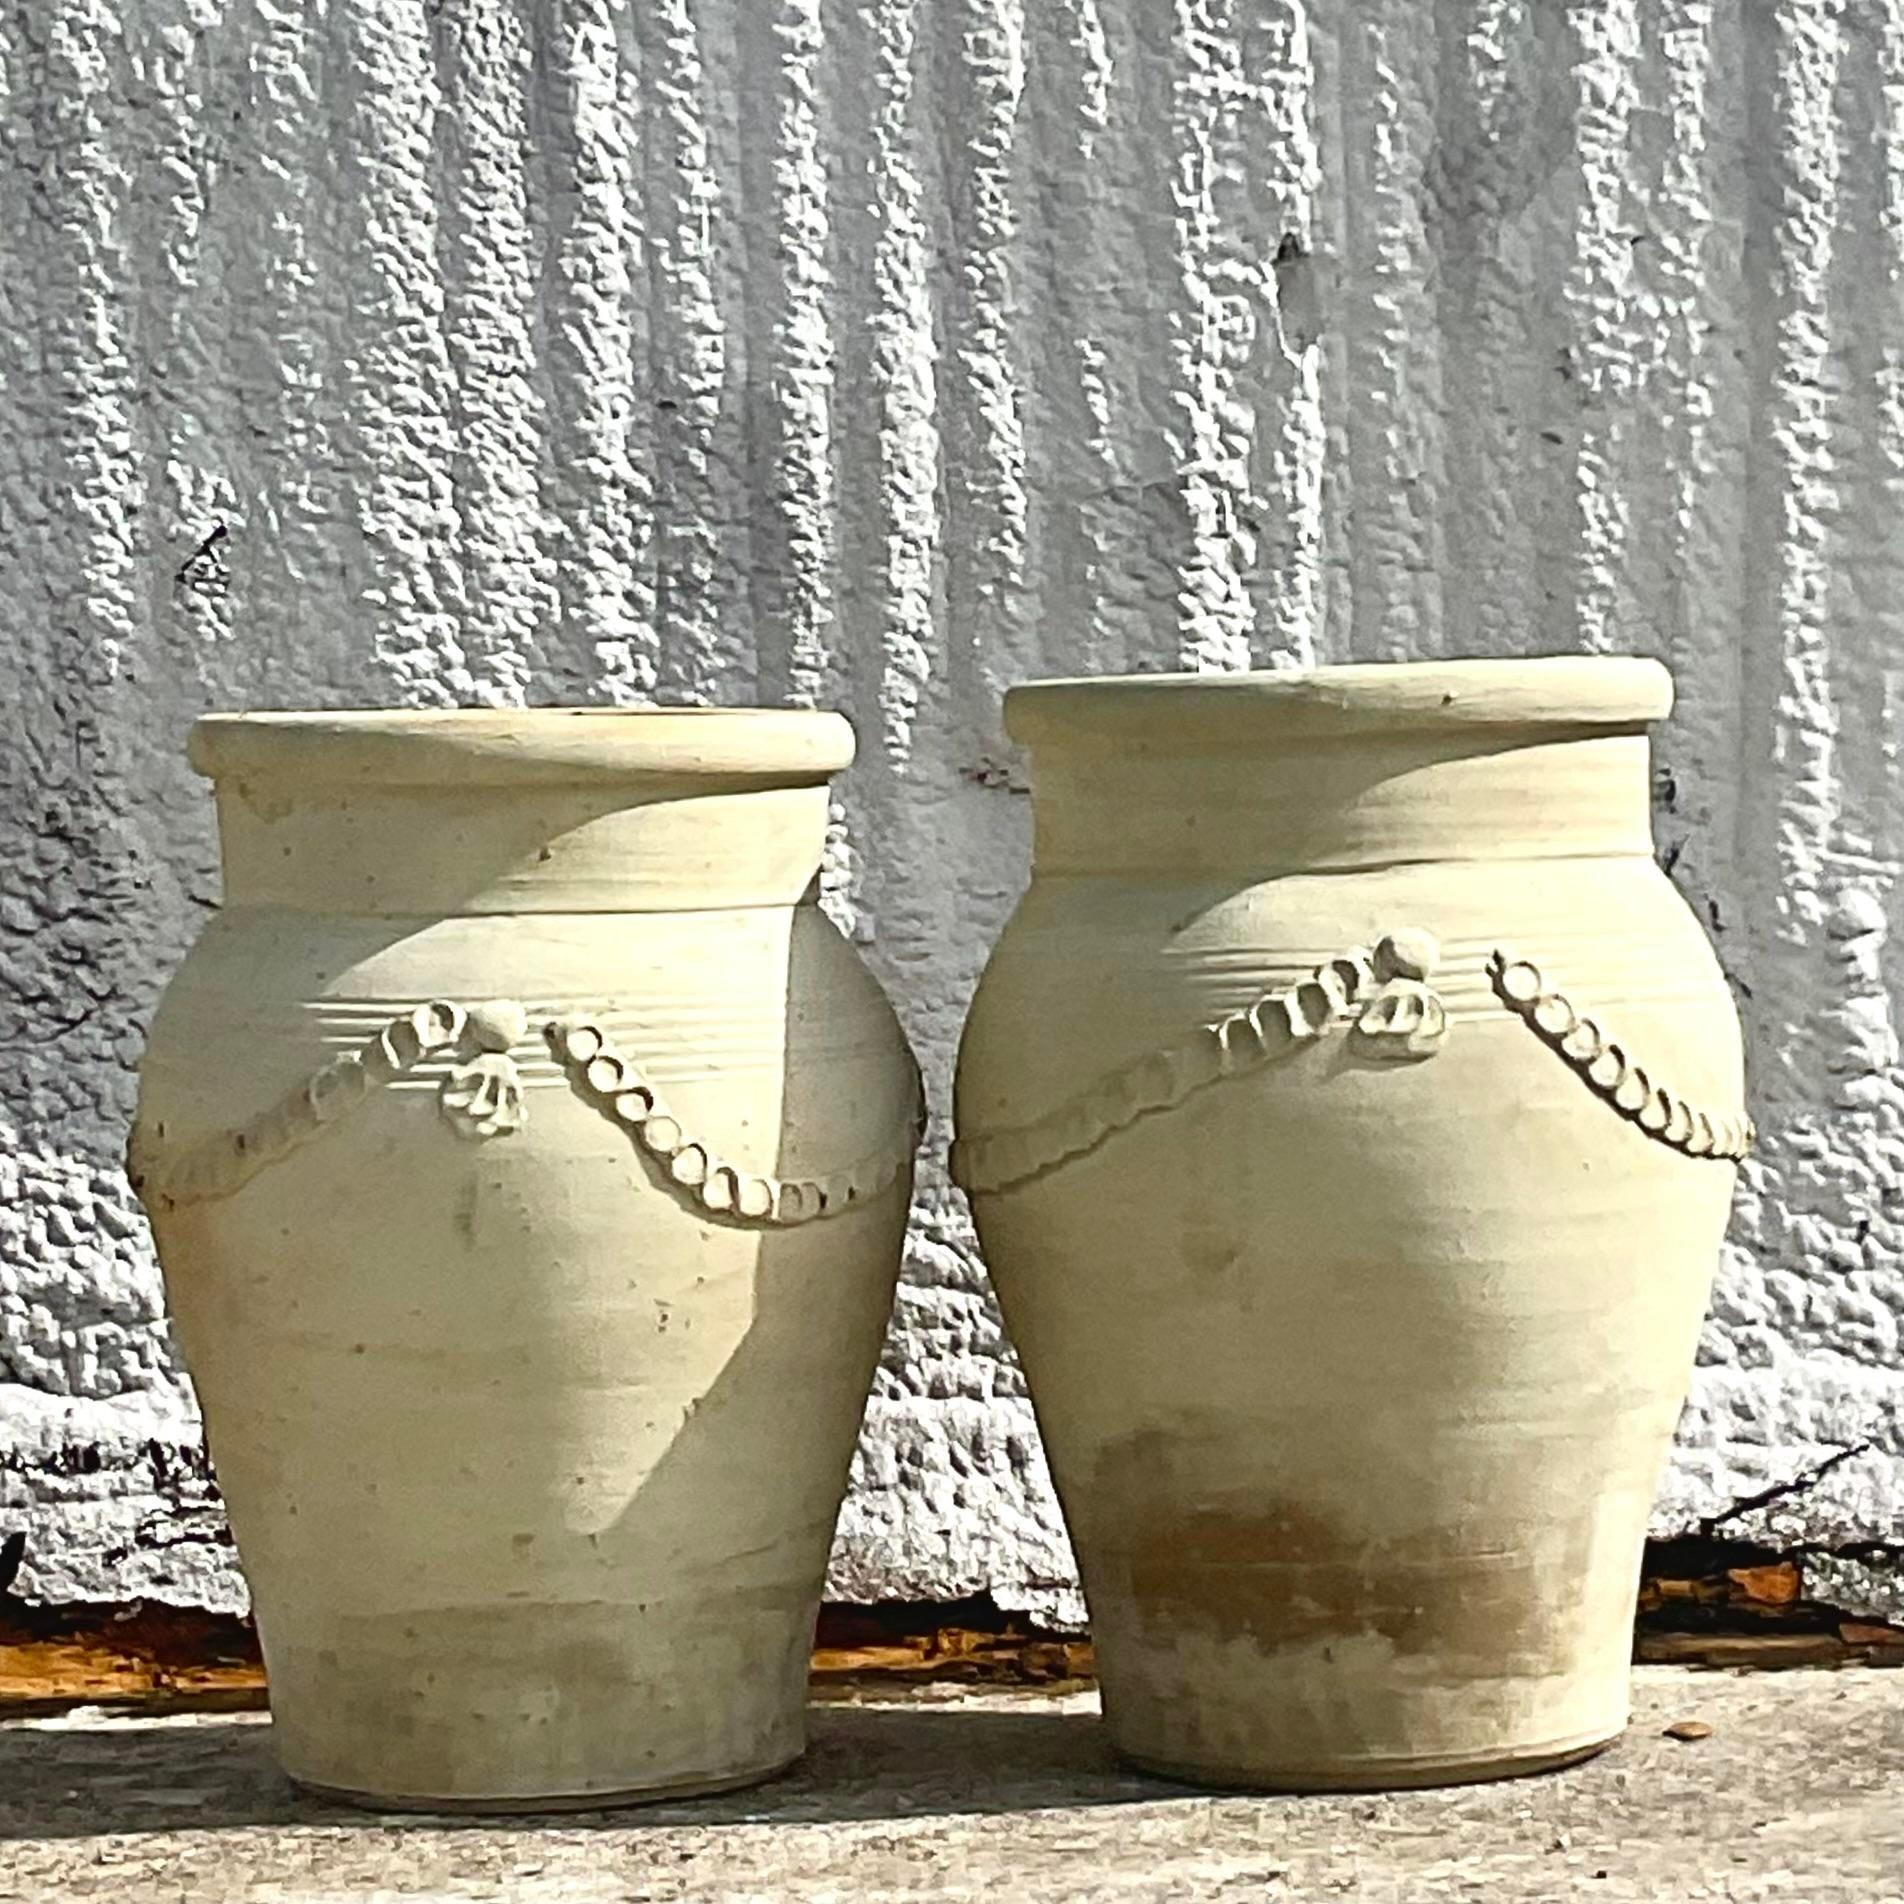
876 355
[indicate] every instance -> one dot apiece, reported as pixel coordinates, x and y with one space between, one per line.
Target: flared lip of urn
537 746
1594 692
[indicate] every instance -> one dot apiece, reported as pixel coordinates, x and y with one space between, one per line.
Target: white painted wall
877 355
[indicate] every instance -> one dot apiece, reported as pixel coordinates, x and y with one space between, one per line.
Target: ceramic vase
1350 1113
529 1161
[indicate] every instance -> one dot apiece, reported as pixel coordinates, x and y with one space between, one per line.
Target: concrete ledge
955 1794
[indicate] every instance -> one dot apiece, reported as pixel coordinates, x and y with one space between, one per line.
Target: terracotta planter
1349 1112
529 1160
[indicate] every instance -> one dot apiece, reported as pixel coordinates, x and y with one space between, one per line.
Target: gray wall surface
876 355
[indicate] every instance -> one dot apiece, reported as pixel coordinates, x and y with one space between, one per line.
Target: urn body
529 1162
1350 1113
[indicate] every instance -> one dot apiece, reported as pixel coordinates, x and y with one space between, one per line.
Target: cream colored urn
1350 1113
529 1160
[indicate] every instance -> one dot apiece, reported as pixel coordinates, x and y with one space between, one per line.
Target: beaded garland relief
481 1097
1387 1001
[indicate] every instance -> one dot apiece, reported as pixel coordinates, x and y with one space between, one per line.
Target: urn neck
413 813
1334 769
407 851
1341 804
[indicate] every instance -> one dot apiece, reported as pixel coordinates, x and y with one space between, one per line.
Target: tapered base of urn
516 1804
1373 1775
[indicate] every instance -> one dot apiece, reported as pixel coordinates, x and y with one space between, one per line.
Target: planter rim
535 746
1566 691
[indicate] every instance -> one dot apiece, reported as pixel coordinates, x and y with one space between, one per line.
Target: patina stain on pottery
1350 1113
529 1160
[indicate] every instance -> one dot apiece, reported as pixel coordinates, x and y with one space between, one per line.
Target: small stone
1688 1731
1777 1585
